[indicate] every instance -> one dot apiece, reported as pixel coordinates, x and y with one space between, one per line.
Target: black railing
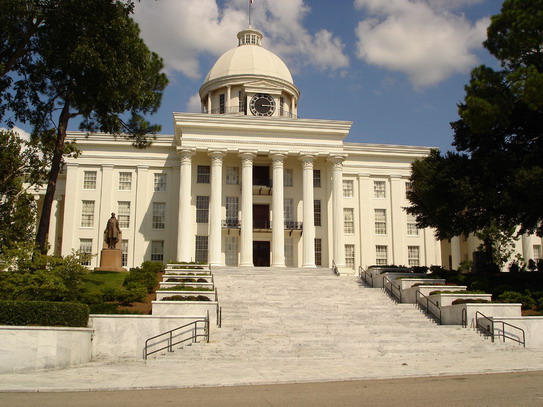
490 329
293 225
425 304
364 277
231 223
464 317
193 328
334 268
392 290
240 110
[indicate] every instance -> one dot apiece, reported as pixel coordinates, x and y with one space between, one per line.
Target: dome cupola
249 80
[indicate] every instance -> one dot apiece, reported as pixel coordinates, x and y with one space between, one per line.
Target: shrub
185 288
123 295
44 313
469 301
186 298
111 309
144 276
514 296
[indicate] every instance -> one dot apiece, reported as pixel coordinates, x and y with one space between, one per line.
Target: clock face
262 105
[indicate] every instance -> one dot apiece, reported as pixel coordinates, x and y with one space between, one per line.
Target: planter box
445 299
186 308
409 295
182 278
378 278
532 326
405 283
173 284
452 314
188 273
172 266
209 294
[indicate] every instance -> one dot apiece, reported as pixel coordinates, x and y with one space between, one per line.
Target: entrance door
261 254
261 216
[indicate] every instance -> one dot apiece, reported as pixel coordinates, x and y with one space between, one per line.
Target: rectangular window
288 209
125 181
317 212
124 252
289 252
317 178
241 104
85 251
123 213
202 209
200 255
232 209
412 229
349 255
379 189
348 188
380 222
281 106
381 255
318 252
348 220
231 250
232 175
288 177
160 182
537 251
87 214
159 215
413 256
89 180
157 250
222 103
203 175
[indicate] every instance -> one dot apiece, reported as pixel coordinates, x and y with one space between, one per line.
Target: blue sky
395 68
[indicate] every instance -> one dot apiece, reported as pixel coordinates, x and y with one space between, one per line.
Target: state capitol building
246 183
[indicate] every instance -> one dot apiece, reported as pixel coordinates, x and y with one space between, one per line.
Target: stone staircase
285 314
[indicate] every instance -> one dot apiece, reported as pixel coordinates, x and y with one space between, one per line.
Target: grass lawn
98 280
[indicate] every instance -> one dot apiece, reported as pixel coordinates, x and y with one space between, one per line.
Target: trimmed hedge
44 313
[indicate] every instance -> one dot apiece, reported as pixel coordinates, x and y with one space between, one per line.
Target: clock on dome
262 104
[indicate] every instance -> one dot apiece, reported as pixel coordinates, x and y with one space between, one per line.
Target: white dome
249 60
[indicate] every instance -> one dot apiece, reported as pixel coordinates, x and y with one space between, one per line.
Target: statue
112 232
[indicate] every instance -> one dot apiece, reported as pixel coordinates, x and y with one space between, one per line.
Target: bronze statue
112 232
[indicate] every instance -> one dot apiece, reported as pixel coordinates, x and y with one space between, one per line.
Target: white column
367 247
71 223
246 246
337 204
227 102
184 232
455 252
309 212
399 245
278 216
215 230
106 205
143 212
209 103
53 225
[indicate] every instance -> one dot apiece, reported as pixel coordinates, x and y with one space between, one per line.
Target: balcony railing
240 110
263 224
293 225
231 224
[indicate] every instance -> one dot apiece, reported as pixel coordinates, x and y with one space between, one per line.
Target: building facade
246 183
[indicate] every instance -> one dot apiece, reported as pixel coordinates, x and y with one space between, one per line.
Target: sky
395 68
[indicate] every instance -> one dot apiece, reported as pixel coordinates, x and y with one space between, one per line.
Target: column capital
142 167
278 155
72 165
216 156
307 157
109 166
247 154
185 152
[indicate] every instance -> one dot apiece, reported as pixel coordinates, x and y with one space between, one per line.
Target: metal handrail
464 318
427 306
363 276
334 268
390 290
171 344
490 329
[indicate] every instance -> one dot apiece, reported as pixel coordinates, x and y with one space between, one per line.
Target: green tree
21 168
495 178
87 60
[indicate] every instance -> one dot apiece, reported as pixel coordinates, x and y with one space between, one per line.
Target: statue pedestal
110 260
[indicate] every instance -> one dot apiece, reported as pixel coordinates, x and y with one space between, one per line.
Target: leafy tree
495 178
21 167
87 60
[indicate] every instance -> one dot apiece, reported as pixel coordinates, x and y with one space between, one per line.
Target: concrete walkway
293 326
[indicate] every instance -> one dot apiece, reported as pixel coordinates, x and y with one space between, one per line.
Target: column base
246 265
278 265
309 266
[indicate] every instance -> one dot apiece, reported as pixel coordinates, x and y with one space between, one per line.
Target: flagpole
250 4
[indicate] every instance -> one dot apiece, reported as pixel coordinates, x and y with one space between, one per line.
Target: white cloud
23 134
183 30
194 104
420 38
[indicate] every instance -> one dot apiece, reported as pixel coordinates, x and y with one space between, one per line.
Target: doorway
261 254
261 216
